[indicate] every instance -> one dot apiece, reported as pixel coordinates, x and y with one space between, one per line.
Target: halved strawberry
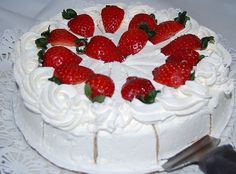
82 25
98 87
102 48
140 88
143 18
132 41
166 29
187 41
172 74
186 56
58 55
112 16
71 74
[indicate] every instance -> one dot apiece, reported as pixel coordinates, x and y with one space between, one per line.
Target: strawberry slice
185 56
58 55
112 16
102 48
71 74
172 74
132 41
98 87
82 25
141 19
167 29
187 41
140 88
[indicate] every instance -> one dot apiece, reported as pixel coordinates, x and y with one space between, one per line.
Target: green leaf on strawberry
150 98
55 79
88 93
205 41
182 18
41 43
69 14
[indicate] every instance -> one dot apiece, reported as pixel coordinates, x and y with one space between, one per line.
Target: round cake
120 89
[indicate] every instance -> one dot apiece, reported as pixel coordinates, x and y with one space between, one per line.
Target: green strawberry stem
46 33
88 93
69 14
55 79
81 45
182 18
192 76
205 41
201 57
150 98
41 43
153 16
40 56
143 26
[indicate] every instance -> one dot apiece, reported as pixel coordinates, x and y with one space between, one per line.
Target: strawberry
71 74
98 87
140 88
172 74
132 41
62 37
185 56
58 55
104 49
112 16
187 41
167 29
142 18
82 25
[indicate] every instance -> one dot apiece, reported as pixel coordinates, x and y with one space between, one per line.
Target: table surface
217 15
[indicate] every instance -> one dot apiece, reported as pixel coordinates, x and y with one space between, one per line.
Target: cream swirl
32 86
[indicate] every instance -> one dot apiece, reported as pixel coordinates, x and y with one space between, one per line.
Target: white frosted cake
120 132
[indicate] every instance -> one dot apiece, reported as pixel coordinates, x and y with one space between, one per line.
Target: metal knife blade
192 154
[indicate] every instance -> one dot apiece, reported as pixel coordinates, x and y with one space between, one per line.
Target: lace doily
16 156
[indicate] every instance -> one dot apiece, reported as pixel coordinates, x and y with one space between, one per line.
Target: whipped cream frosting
67 108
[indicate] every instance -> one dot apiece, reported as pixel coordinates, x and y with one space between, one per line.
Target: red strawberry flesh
172 74
136 87
72 74
58 55
82 25
112 16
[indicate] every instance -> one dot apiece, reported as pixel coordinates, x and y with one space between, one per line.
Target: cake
155 100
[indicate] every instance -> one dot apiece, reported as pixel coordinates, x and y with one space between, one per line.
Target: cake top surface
67 107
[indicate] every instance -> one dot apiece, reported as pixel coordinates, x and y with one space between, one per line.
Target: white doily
16 156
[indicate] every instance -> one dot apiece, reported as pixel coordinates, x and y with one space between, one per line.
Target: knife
211 158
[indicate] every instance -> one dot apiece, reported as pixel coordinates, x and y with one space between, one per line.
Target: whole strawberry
143 18
82 25
62 37
172 74
98 87
112 16
140 88
186 56
167 29
71 74
132 41
102 48
187 41
58 55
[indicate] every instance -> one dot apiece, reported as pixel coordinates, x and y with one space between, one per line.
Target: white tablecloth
19 15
